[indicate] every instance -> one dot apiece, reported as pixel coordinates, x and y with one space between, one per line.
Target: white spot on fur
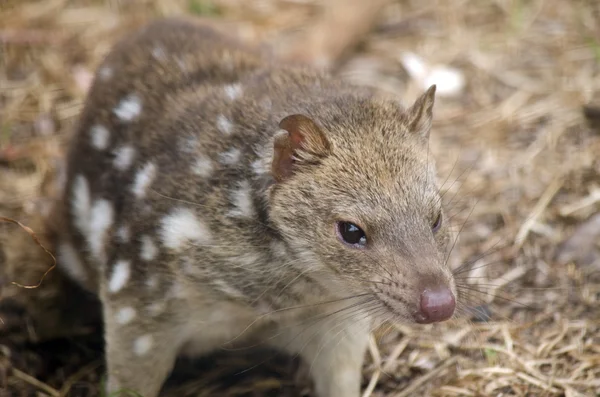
203 167
69 260
230 157
266 103
123 157
61 177
143 179
242 200
125 315
263 307
188 266
189 144
81 203
120 275
93 221
123 234
278 249
182 66
177 291
159 53
248 259
259 167
233 91
129 108
101 219
149 249
105 73
152 281
182 226
143 344
228 289
100 137
262 164
228 62
156 308
224 125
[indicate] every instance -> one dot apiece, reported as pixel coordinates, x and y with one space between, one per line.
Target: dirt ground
516 138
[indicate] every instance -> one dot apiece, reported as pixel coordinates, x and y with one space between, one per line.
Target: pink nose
437 304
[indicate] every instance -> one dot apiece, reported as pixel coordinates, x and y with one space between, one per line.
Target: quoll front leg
333 348
141 346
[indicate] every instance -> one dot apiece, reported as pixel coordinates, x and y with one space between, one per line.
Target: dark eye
351 234
437 224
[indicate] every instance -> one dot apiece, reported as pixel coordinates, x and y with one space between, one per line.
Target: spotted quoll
215 195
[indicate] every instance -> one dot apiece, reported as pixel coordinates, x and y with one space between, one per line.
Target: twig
376 357
30 37
37 241
537 382
537 211
393 356
425 378
585 202
34 382
64 390
372 383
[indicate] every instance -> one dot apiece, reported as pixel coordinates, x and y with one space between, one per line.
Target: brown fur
262 260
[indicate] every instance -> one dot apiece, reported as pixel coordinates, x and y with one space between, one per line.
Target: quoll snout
437 304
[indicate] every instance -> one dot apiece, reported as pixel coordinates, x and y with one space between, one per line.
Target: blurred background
516 138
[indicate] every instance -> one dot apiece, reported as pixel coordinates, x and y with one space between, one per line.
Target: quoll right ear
419 116
299 141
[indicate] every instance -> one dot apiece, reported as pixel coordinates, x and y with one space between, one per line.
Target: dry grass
522 168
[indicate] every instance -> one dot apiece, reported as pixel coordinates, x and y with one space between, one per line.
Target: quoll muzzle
437 304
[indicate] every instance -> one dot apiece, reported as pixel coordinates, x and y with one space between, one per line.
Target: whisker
479 267
295 337
456 239
462 287
269 282
483 316
322 345
293 280
390 277
467 169
520 288
305 306
448 177
465 267
360 329
477 311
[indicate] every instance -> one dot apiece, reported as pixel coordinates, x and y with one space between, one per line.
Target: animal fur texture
205 183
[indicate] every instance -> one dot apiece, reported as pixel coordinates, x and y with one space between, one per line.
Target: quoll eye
351 234
437 223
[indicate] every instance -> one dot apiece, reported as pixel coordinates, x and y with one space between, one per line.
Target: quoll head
356 195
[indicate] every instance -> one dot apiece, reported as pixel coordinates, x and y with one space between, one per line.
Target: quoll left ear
420 115
299 141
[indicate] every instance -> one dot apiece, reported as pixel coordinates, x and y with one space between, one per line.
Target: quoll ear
299 141
419 116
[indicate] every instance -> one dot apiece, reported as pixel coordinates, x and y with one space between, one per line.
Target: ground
516 147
